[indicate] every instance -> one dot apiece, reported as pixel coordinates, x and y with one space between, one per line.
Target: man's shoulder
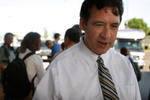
113 53
56 43
69 53
115 56
67 56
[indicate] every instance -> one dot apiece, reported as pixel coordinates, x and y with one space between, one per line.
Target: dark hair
62 45
124 51
56 35
30 40
8 33
73 34
87 6
77 26
47 42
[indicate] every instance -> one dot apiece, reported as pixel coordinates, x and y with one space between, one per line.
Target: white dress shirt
73 75
34 65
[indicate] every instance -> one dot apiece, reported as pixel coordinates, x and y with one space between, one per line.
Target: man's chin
102 51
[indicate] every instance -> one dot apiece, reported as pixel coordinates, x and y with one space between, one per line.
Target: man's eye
114 26
97 24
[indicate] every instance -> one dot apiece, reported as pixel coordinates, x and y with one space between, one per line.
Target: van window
130 45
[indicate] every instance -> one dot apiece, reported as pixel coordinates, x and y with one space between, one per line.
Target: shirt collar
88 53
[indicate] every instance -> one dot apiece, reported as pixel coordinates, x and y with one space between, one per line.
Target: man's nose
106 34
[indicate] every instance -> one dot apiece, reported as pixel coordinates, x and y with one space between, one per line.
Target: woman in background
34 63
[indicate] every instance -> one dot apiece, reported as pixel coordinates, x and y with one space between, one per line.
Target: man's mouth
102 44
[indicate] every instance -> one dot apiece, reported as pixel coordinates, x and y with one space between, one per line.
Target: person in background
49 44
72 36
34 64
62 46
91 69
7 52
124 51
56 47
77 26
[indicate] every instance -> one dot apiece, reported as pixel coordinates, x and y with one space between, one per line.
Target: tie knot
100 60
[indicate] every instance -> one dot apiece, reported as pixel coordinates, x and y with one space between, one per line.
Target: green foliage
45 33
16 36
148 32
138 24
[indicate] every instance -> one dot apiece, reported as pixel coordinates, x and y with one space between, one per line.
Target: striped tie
106 82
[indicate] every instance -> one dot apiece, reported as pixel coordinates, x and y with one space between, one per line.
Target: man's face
58 38
100 30
38 45
9 39
51 45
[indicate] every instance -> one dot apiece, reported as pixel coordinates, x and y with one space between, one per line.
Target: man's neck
70 45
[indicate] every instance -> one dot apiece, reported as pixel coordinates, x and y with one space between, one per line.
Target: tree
138 24
45 33
16 36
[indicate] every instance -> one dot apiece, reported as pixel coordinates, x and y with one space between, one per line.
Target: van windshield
130 45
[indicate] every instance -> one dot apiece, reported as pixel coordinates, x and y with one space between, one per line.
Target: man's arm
46 89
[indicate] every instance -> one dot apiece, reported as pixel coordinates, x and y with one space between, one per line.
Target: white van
131 39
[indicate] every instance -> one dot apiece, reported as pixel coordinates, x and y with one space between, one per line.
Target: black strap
32 84
32 81
27 55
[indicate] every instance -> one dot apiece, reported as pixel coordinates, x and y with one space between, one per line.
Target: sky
23 16
136 9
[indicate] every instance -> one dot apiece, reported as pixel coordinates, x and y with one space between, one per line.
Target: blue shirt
55 49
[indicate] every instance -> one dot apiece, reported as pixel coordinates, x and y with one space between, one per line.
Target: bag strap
28 55
32 84
32 81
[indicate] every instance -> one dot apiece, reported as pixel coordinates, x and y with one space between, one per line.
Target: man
49 44
56 47
79 72
77 26
7 52
72 36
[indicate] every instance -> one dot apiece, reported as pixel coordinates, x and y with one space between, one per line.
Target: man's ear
82 24
66 40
